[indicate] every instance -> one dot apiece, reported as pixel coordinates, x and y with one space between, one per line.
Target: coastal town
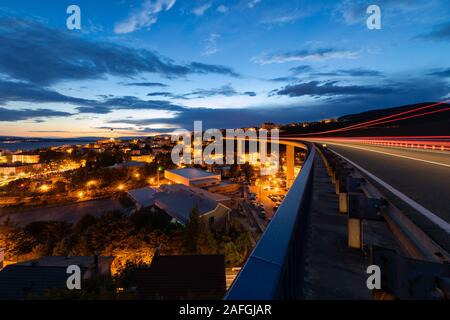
116 204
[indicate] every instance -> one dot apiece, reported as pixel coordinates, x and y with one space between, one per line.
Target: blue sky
148 66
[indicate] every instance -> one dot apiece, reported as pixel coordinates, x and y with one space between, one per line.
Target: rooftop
182 277
192 173
144 196
65 261
178 201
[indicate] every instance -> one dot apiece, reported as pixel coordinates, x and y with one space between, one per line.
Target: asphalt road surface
422 175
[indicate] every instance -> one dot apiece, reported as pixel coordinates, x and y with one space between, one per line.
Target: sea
33 144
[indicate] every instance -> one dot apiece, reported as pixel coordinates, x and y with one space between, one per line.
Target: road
422 175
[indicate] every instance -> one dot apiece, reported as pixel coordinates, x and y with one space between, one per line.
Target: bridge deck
331 269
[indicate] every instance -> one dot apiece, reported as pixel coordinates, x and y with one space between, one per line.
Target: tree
206 243
192 231
248 171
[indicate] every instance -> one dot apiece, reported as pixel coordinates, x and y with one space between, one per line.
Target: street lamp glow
80 194
45 188
91 183
121 187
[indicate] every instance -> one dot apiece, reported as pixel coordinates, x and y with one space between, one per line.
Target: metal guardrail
420 270
273 269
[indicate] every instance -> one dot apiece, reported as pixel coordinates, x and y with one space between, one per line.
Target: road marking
392 154
444 225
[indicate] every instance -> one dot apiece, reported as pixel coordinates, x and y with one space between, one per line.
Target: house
182 277
31 278
143 198
179 200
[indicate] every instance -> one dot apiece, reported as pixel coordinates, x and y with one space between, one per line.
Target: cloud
48 56
337 100
144 17
146 84
200 10
329 88
283 19
226 90
357 72
24 92
7 115
439 33
301 69
253 3
304 55
163 94
211 44
201 68
355 11
222 9
443 73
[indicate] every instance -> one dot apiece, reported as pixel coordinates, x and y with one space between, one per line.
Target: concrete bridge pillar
290 159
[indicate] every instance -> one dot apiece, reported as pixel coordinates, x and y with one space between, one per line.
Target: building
143 198
25 158
192 177
142 158
179 200
92 264
182 277
129 164
20 158
11 170
32 278
269 126
223 187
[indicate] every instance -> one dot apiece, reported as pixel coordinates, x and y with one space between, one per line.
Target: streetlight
121 187
80 194
45 188
160 168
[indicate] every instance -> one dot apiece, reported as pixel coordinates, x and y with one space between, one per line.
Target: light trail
442 224
382 119
391 154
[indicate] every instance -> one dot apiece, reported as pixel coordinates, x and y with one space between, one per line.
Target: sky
142 67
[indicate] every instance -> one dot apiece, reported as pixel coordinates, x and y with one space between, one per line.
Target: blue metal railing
273 270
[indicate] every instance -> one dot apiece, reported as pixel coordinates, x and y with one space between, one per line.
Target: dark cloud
329 88
358 72
285 79
301 69
28 114
305 55
33 52
163 94
24 92
443 73
226 91
146 84
439 33
202 68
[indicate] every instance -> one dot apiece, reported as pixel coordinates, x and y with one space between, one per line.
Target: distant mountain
427 124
